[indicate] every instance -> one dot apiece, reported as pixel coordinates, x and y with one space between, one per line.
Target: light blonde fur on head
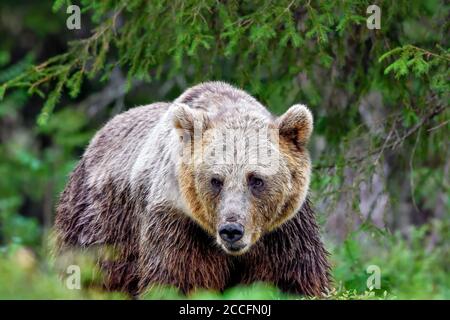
217 109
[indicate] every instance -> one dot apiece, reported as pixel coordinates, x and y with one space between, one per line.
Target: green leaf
57 5
2 91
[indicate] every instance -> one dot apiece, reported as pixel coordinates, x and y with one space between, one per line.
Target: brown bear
208 191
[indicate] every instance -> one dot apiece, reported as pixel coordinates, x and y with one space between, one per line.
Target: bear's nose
231 232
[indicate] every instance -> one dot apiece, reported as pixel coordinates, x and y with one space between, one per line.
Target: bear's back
113 150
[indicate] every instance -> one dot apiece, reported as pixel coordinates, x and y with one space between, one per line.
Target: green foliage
414 268
204 32
23 276
419 62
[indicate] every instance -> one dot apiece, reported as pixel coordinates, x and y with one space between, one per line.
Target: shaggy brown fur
104 204
291 257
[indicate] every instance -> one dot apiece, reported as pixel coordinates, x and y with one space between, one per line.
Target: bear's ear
296 125
187 119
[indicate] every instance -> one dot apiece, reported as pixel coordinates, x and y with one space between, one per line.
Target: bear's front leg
177 252
292 257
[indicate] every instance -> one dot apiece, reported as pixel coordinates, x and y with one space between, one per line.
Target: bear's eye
216 184
256 184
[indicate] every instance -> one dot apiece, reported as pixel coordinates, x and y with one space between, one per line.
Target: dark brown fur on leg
181 254
292 257
100 220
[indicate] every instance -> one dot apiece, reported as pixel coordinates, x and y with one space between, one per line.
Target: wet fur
115 197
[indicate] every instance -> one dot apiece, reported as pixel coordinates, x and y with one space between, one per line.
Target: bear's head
243 174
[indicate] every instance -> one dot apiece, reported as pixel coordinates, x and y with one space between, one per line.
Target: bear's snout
231 232
231 237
